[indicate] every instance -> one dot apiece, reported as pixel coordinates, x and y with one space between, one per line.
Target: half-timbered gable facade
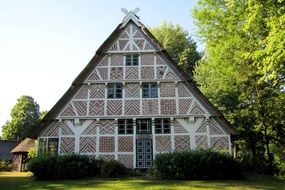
131 103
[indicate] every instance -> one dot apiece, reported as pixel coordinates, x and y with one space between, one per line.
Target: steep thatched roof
24 146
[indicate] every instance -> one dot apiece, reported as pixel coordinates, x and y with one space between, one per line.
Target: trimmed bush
73 166
113 168
199 164
5 166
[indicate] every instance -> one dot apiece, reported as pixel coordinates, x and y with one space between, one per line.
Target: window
125 126
132 60
48 146
115 90
162 126
143 126
149 90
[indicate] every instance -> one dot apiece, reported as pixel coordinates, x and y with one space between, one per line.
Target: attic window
149 90
115 90
132 60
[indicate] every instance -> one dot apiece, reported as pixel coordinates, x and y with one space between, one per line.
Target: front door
144 143
144 152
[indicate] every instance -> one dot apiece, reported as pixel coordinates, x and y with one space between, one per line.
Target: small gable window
115 90
125 126
162 126
149 90
48 146
132 59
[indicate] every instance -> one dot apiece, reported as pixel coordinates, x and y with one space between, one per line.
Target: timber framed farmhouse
130 103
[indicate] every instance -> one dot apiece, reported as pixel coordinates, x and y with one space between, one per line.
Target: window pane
145 90
52 145
144 126
153 90
128 60
42 146
121 129
111 90
135 59
119 89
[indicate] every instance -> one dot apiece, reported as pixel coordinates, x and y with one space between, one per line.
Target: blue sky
44 44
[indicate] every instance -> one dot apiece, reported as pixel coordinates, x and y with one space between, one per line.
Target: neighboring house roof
5 149
101 52
24 146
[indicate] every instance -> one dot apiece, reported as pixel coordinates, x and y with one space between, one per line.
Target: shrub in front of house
73 166
5 166
198 165
113 168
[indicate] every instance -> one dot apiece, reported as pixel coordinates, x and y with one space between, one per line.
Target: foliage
200 164
241 73
5 166
73 166
113 168
179 44
24 118
32 153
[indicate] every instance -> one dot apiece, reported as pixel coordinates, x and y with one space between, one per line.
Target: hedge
198 165
73 166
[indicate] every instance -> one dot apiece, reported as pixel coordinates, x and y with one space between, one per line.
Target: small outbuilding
20 154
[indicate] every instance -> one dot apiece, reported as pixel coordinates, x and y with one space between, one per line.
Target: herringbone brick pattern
201 141
182 142
163 144
126 159
132 107
132 90
97 91
67 144
52 129
87 145
220 142
96 107
80 107
107 127
114 107
68 111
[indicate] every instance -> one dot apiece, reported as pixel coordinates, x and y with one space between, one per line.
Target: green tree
25 116
241 73
178 44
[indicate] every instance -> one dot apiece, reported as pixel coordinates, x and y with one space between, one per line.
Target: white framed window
162 126
115 90
149 90
125 126
132 59
48 145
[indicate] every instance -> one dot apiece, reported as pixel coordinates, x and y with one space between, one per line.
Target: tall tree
179 44
25 116
242 71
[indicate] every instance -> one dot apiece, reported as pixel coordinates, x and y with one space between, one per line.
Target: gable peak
130 15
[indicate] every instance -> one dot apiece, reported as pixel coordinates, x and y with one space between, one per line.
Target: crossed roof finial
134 11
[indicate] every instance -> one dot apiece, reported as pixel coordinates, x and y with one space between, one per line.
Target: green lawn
9 180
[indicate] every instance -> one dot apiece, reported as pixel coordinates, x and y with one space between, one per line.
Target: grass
23 181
